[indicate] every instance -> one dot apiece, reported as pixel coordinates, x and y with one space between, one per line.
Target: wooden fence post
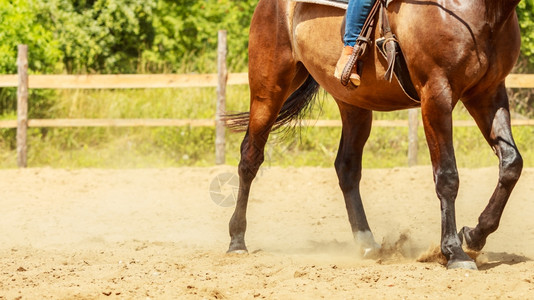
22 106
220 130
413 123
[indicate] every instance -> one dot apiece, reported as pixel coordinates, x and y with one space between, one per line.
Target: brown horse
455 50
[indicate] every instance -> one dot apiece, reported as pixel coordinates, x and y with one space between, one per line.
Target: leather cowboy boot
342 62
348 57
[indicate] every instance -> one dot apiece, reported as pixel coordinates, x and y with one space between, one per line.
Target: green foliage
186 29
525 13
131 36
123 36
101 36
18 25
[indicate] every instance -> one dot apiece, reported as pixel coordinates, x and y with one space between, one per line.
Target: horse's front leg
437 103
492 115
355 131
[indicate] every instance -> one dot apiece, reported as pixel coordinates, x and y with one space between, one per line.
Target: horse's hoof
237 251
237 246
369 248
465 234
465 265
371 253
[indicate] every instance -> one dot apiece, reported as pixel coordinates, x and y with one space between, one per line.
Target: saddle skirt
335 3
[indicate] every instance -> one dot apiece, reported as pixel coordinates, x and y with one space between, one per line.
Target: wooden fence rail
38 123
23 82
143 81
123 81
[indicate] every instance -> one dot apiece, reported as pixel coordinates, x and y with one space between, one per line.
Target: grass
185 146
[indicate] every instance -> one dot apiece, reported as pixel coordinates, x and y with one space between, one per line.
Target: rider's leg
356 14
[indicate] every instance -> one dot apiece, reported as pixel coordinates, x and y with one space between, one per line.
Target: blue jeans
357 12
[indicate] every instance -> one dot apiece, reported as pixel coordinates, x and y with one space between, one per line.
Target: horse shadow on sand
495 259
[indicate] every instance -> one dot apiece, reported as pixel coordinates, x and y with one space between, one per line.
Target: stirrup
359 50
351 63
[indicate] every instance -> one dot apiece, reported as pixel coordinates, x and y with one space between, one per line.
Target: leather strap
390 44
361 43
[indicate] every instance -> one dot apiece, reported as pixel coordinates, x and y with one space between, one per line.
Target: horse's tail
295 107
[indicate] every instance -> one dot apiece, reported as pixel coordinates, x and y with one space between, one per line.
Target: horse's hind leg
273 76
355 131
492 116
265 105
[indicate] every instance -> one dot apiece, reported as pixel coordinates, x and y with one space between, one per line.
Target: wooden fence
24 82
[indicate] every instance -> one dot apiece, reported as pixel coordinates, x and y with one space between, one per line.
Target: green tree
525 13
100 36
18 25
186 34
128 36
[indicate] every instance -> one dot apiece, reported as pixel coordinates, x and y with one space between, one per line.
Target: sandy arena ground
157 234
